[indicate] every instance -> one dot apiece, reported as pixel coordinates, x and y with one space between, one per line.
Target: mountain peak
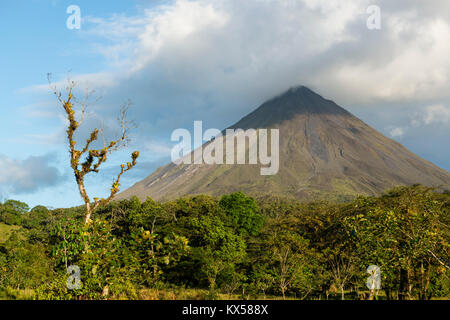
298 100
300 89
296 91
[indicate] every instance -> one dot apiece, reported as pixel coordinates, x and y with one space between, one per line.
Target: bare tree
94 158
342 268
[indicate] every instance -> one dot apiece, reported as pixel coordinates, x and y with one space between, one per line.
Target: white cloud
102 80
229 44
397 132
436 114
157 149
415 65
29 175
261 47
431 115
43 109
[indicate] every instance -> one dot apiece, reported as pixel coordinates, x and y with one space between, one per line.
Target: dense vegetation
233 246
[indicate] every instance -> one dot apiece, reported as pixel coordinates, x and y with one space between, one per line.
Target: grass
16 294
186 294
192 294
6 230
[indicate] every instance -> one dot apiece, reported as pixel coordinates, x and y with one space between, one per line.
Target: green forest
232 247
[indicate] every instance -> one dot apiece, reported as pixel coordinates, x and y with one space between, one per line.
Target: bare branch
95 158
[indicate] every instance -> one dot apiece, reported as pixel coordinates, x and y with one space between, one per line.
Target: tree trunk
388 294
87 202
403 286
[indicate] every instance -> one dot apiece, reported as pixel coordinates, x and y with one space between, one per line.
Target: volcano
325 152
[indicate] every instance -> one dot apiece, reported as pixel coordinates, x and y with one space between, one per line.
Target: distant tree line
232 246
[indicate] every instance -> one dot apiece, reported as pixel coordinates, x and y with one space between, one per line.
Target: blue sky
215 60
36 41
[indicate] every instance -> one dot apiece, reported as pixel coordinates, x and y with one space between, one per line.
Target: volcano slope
325 152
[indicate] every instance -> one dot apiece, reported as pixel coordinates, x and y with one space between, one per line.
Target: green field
6 230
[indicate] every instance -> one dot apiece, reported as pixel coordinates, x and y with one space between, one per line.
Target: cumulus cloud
212 54
397 132
158 148
436 114
262 47
29 175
